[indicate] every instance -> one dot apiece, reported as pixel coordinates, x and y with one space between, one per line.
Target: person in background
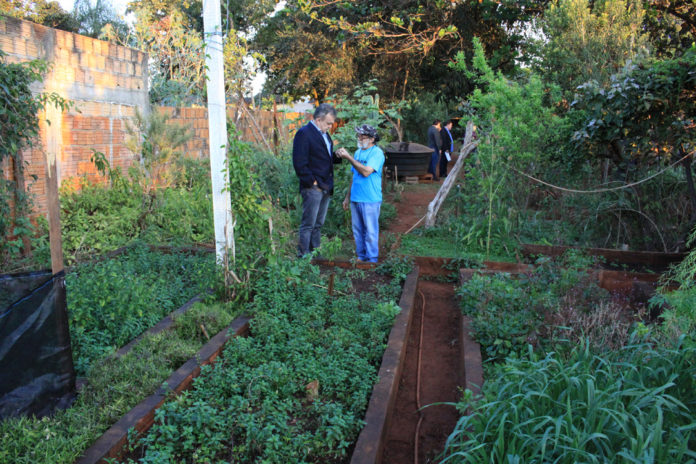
313 159
447 147
434 142
365 193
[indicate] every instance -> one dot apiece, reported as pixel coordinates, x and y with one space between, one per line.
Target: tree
671 25
588 40
406 45
646 116
92 18
46 13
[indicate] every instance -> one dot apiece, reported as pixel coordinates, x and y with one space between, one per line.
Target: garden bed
113 386
293 388
113 300
139 419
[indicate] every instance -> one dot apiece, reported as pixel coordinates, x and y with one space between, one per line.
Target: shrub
110 302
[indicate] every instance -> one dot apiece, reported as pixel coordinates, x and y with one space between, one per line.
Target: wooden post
434 205
53 131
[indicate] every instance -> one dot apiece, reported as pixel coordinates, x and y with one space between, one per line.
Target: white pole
217 127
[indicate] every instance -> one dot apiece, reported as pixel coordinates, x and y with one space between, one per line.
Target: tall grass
628 406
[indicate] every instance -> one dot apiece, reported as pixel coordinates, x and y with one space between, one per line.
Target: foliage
45 12
671 25
589 41
157 141
556 302
632 405
645 115
19 129
110 302
518 131
113 386
294 391
93 18
404 45
678 304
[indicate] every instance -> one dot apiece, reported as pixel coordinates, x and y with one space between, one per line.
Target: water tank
410 159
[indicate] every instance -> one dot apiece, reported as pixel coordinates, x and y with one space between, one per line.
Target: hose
418 371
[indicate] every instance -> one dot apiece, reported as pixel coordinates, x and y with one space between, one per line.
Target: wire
603 189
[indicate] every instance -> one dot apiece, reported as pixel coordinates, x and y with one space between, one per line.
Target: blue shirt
368 189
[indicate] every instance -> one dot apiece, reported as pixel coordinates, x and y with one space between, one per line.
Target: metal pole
217 126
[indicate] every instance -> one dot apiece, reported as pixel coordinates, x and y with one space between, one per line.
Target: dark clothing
434 138
311 160
447 145
315 203
434 142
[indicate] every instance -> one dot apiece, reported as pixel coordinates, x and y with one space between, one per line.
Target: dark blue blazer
311 160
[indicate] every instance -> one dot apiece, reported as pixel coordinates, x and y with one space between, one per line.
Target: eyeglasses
363 137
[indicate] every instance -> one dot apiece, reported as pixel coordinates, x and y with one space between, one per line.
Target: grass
628 406
114 387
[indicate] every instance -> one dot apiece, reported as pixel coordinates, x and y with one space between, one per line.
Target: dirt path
437 381
412 206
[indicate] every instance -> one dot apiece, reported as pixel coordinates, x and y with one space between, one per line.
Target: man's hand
343 153
346 203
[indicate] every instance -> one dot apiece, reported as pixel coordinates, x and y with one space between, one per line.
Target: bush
110 302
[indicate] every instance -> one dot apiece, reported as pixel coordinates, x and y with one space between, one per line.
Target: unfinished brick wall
258 131
106 82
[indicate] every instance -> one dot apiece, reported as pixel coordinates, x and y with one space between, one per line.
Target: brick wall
249 123
106 82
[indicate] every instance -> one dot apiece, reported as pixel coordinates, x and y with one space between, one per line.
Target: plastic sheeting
36 367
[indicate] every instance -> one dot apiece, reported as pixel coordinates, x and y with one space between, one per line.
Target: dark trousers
443 164
315 203
432 168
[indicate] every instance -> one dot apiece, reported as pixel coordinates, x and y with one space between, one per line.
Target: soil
412 206
439 379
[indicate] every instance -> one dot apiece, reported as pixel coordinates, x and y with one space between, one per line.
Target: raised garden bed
111 444
572 398
318 369
113 300
114 385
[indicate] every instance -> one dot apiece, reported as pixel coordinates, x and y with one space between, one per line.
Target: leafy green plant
518 131
112 388
294 391
632 405
157 141
110 302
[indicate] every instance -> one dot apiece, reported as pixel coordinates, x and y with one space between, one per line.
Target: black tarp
36 367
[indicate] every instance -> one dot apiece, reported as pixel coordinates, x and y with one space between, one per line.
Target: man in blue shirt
365 193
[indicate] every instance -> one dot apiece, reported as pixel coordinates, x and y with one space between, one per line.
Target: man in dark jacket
313 159
434 142
447 147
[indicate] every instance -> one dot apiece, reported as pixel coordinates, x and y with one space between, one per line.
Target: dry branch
467 148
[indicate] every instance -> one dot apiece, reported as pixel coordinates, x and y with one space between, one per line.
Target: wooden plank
369 447
111 444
